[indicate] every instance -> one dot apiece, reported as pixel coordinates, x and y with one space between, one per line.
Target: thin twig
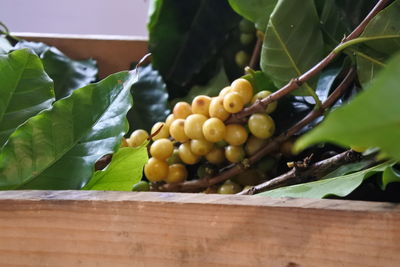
299 81
273 145
300 175
255 57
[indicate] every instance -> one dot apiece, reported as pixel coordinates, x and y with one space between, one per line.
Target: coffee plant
280 98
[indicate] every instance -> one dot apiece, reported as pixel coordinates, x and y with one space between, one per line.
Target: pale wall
116 17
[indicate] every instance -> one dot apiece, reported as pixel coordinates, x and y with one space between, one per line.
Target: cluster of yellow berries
197 130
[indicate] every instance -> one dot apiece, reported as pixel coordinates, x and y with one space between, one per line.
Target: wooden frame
92 228
88 228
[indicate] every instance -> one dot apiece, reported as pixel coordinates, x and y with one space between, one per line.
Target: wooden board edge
206 199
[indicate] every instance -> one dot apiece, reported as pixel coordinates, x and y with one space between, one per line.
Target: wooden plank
88 228
113 53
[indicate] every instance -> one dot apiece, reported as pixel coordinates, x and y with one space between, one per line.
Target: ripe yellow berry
182 110
201 105
200 147
214 130
161 149
155 170
224 91
261 125
186 155
194 126
233 102
169 120
234 153
177 173
244 88
137 138
124 143
263 94
162 131
229 187
177 130
235 134
253 144
216 156
217 108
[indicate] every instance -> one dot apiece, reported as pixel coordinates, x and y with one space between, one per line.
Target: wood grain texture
113 53
92 228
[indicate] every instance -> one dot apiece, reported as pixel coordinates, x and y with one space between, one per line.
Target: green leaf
67 74
333 22
57 148
150 100
25 90
390 175
369 64
212 88
260 82
124 171
257 11
382 39
370 120
293 42
338 186
184 36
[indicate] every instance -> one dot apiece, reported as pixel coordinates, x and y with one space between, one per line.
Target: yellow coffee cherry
229 187
214 130
244 88
216 156
224 91
174 158
263 94
156 170
163 131
124 143
200 147
177 130
186 154
194 126
261 125
177 173
201 105
161 149
169 120
253 144
234 154
235 134
217 108
137 138
233 102
182 110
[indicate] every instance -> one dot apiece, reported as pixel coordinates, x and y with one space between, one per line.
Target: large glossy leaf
67 74
333 21
370 120
150 100
124 171
338 186
390 175
384 35
293 41
257 11
212 88
57 148
25 90
185 35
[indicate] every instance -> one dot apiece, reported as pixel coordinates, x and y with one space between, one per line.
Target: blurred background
117 17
